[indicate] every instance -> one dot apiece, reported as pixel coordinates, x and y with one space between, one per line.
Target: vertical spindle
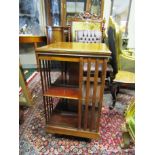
104 66
80 90
87 94
93 119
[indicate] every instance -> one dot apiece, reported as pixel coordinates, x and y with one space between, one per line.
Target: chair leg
117 90
114 90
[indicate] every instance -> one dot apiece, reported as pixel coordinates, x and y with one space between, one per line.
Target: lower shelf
64 120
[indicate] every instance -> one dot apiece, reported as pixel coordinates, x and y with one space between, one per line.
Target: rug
34 141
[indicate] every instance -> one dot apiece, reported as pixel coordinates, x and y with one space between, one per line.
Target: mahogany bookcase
80 96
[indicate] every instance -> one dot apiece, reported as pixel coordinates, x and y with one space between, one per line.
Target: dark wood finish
78 111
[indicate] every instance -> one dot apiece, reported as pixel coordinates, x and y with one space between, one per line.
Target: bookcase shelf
63 92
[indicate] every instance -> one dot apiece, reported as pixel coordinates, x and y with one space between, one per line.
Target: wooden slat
87 94
41 74
104 66
44 71
80 90
94 95
49 72
46 75
43 88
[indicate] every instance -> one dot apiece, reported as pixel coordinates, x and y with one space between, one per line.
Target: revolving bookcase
80 96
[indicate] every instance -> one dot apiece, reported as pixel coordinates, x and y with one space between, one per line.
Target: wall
27 56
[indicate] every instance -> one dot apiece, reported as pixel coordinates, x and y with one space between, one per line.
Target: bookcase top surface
75 48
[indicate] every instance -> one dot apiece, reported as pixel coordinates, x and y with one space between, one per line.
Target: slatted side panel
101 92
89 106
94 89
44 67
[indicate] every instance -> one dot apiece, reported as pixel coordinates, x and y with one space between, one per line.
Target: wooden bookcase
80 98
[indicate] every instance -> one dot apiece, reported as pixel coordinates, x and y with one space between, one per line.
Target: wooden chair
89 26
86 28
117 77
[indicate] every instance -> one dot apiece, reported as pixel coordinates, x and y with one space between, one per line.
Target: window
55 12
31 20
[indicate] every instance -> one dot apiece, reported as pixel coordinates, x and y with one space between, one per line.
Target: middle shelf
63 92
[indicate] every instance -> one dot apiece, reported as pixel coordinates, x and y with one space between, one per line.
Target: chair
89 36
87 28
118 77
128 127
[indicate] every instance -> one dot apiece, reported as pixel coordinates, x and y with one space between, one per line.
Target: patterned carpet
34 141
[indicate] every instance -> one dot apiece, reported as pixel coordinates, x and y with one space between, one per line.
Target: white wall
28 60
